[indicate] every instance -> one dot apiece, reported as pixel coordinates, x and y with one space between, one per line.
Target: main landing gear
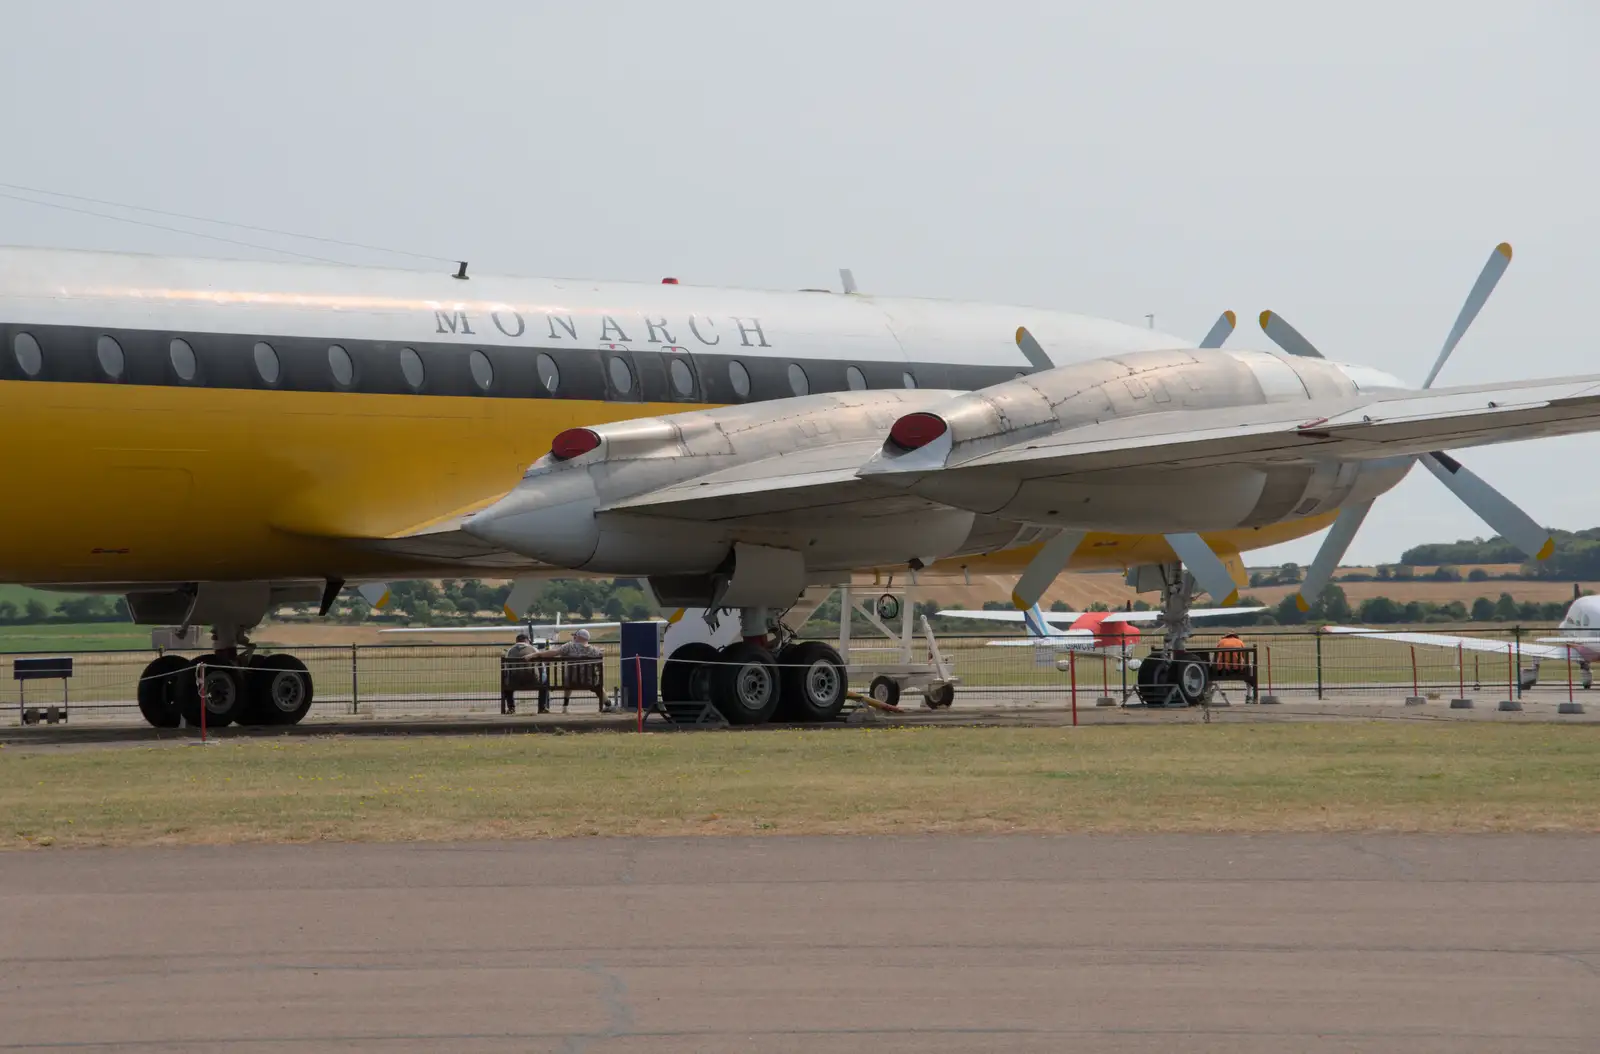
1172 676
765 676
241 687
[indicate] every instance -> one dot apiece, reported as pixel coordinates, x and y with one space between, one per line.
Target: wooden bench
545 675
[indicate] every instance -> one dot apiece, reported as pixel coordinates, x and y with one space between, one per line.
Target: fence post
1571 706
1270 699
1415 698
1461 702
1072 667
355 681
1516 635
638 685
1510 703
1319 665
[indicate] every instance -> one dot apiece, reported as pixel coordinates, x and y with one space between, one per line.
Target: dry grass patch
1294 777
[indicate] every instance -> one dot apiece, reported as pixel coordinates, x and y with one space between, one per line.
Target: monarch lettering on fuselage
609 330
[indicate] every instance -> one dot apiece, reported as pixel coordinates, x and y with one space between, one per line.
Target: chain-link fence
400 680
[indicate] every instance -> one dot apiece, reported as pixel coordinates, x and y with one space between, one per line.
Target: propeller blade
1492 507
1220 330
1042 570
376 594
1499 260
1333 547
1286 336
1207 568
520 599
1031 349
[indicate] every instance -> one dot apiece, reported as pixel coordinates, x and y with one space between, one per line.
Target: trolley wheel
939 696
812 681
159 690
280 690
885 690
744 684
685 677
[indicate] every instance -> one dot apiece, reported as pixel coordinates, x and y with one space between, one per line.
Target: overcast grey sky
1351 170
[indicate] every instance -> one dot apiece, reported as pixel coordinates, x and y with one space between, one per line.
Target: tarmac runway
927 944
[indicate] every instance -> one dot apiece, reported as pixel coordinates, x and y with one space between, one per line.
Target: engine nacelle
557 513
1051 402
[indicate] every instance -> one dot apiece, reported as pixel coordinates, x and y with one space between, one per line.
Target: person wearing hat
578 648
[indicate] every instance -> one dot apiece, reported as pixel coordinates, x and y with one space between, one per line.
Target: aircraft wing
856 478
1449 640
507 627
1069 617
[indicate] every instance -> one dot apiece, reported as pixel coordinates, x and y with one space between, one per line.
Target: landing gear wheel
812 681
279 689
939 696
159 688
1155 681
1193 677
885 690
226 697
685 677
744 684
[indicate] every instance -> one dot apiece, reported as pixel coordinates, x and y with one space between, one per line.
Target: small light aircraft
1579 641
1114 632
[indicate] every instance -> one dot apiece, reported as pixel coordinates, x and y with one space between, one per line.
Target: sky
1348 166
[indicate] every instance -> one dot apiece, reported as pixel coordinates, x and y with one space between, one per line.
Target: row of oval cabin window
30 359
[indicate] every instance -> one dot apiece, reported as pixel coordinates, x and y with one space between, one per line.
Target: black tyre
1155 681
939 696
812 682
159 689
226 697
744 684
885 690
280 690
1193 678
685 677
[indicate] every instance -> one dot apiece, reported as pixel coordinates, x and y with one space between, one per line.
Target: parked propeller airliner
212 438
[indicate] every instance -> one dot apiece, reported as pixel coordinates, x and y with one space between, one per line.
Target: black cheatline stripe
227 361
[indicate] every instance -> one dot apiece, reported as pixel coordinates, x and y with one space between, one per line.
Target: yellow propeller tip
1233 319
511 616
675 616
1019 603
1231 599
1266 316
1546 549
1022 334
1300 602
1504 249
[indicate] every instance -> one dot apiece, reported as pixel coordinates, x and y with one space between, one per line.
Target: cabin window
341 366
799 383
181 355
621 376
482 369
740 378
112 361
907 380
267 364
855 379
549 375
682 377
411 367
30 360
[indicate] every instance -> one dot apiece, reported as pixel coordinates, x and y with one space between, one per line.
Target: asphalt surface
926 944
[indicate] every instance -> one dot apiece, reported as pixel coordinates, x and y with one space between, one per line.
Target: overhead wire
205 219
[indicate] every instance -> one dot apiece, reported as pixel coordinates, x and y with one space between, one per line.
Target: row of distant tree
1576 557
73 609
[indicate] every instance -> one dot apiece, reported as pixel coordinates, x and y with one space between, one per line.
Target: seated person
576 648
522 651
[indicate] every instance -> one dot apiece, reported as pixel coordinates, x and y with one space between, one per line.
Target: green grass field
1197 778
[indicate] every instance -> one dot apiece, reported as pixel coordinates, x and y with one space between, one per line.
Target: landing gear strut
766 675
1172 676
